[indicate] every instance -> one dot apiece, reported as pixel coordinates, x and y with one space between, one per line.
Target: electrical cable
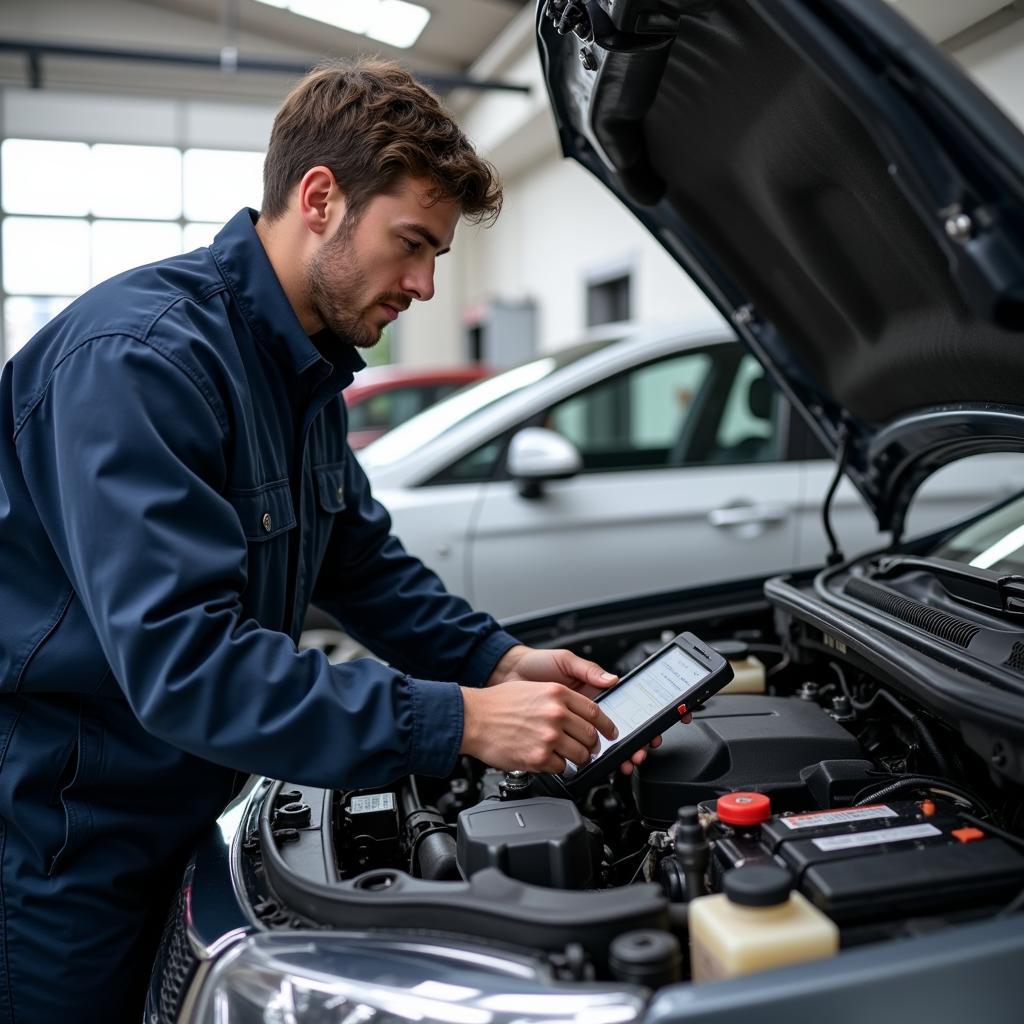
994 830
937 785
640 866
629 856
1013 906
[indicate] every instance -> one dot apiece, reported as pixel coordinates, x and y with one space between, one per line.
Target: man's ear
320 201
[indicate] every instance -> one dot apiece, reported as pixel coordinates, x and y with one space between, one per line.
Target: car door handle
743 515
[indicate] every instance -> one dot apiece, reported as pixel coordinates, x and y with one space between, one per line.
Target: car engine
883 818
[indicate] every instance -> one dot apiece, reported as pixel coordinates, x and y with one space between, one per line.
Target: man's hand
521 662
524 725
571 671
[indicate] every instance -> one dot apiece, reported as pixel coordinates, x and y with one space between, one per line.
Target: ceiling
106 42
457 33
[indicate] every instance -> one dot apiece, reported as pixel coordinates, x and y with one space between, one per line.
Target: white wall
996 62
560 229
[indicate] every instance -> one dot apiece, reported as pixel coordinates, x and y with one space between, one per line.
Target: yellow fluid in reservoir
727 939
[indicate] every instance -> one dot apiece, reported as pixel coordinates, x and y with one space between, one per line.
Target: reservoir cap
758 885
743 808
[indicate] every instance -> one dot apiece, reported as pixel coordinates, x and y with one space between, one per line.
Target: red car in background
381 397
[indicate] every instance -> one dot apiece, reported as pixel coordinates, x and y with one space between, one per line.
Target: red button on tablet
744 808
682 711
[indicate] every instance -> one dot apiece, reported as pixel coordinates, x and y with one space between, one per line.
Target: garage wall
560 228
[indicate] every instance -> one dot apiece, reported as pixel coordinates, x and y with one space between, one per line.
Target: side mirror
537 454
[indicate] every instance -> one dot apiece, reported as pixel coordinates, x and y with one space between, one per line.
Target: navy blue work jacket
175 487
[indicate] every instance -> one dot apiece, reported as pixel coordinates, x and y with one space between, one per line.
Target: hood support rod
835 556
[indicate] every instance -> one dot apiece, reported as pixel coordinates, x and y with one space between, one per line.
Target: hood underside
839 189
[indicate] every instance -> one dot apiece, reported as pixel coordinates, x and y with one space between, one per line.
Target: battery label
818 818
881 835
372 802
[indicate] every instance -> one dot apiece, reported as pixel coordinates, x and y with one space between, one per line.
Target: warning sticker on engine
372 802
815 819
877 837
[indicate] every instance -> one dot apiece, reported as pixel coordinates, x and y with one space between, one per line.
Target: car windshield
995 542
422 429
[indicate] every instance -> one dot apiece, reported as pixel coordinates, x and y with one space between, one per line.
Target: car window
747 429
444 390
389 408
994 542
712 406
480 464
633 419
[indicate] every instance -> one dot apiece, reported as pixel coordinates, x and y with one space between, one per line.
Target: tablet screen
662 683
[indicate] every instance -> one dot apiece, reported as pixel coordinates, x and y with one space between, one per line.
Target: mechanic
175 488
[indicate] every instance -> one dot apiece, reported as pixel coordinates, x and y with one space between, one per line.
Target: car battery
882 861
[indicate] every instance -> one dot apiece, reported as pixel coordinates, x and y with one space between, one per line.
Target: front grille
941 624
174 968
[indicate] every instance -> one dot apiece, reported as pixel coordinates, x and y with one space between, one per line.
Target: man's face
362 277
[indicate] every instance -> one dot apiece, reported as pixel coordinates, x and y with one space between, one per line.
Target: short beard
336 283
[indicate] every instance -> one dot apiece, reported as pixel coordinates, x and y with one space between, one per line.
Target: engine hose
433 849
920 729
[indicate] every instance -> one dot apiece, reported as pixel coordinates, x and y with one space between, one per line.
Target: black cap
651 958
731 650
758 885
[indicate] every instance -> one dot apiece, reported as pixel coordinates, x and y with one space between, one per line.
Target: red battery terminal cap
744 808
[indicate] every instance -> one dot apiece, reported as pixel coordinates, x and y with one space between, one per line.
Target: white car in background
663 459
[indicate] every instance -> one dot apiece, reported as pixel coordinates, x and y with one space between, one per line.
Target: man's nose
419 283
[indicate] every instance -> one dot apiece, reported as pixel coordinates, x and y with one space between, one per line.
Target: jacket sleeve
389 601
125 454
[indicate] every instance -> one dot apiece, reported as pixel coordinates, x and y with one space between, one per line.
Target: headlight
315 978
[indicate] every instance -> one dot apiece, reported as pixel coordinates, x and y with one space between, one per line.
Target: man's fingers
581 730
591 712
569 749
588 672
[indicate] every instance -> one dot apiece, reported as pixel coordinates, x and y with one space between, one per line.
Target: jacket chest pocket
329 488
267 517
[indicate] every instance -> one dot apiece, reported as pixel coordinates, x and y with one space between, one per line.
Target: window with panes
73 214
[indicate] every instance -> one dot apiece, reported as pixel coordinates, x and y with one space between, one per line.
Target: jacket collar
245 267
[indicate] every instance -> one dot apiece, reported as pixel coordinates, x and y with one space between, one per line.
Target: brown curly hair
372 124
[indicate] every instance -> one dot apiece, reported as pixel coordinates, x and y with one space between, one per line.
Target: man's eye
410 245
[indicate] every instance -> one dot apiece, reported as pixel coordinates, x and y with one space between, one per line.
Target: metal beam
35 50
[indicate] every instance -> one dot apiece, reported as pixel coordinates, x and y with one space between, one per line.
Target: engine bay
883 818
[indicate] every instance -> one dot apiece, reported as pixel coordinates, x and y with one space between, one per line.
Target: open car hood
839 189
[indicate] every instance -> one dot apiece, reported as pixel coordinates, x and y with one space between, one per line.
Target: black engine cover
740 741
542 840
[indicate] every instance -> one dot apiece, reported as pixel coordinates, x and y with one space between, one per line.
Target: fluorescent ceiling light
395 22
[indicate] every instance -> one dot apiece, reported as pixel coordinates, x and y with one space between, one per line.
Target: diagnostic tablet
645 702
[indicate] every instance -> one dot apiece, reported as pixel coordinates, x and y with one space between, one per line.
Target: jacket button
266 522
340 493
